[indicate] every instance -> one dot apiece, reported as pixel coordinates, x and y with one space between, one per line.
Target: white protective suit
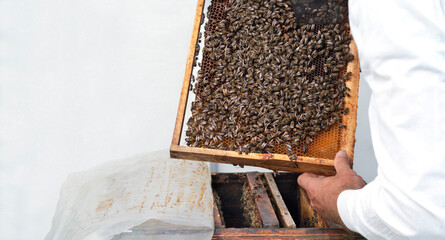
401 47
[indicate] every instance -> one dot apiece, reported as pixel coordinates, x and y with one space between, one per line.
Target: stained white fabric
402 53
149 196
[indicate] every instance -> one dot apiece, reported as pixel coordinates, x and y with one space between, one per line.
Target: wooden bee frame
273 161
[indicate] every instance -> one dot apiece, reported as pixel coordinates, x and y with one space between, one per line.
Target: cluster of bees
320 11
268 81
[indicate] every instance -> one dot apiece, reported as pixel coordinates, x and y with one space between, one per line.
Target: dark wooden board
265 209
282 233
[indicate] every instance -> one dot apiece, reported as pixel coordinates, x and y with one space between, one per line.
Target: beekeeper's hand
324 191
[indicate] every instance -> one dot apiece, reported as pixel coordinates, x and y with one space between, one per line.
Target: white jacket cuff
357 213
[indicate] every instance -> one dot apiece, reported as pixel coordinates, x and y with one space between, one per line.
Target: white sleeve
402 53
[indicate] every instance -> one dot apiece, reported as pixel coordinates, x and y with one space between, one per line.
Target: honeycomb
323 145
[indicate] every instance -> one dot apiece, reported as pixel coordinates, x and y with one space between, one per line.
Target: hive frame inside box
281 206
269 160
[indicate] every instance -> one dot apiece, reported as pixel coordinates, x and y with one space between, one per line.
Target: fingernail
342 153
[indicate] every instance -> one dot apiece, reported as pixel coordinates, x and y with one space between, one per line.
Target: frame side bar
188 72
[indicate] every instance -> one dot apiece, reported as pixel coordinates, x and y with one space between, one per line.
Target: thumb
341 162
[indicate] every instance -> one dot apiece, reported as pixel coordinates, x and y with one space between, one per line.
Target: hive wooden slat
347 139
278 162
262 201
188 73
272 161
282 234
217 216
308 216
281 209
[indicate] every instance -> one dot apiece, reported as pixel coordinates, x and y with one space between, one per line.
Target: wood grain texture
283 213
347 139
187 75
282 234
217 217
308 216
228 177
265 209
278 162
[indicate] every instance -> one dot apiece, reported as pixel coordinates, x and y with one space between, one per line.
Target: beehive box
276 209
314 156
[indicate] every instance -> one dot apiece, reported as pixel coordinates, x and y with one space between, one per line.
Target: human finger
341 162
305 180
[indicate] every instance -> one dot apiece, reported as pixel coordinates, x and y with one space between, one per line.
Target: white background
87 81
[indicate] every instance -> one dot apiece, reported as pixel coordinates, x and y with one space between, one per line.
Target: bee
261 88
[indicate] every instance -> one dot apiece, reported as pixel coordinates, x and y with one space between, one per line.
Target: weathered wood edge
283 233
278 162
347 141
307 212
264 206
188 72
216 216
282 212
228 177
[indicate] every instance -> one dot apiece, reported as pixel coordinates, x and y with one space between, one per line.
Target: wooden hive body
278 210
